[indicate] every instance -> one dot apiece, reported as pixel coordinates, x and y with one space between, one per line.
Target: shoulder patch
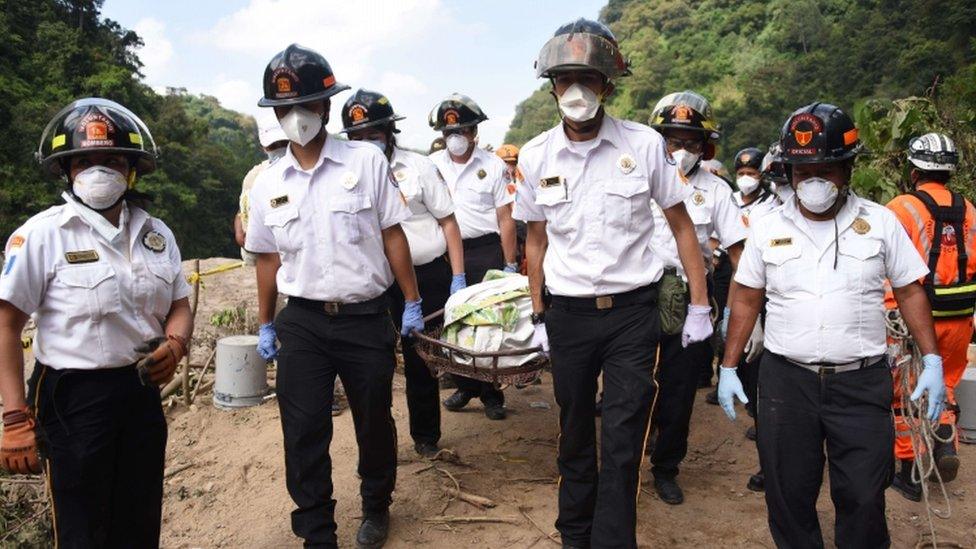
155 241
16 241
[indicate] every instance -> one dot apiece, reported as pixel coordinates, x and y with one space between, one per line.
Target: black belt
643 295
826 368
335 308
481 241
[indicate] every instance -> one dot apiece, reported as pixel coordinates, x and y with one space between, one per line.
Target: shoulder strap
953 215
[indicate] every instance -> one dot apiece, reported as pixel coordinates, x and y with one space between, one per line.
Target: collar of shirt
608 133
330 152
852 208
97 221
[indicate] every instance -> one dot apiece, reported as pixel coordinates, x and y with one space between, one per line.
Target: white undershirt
821 231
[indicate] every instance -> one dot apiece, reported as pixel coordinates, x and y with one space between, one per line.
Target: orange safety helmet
508 153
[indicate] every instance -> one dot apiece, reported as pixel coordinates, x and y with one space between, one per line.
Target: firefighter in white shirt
824 381
103 282
325 225
483 207
689 128
586 196
435 246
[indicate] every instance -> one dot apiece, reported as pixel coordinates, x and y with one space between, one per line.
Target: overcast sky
414 51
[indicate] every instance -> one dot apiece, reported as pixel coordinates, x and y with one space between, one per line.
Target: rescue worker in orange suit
942 225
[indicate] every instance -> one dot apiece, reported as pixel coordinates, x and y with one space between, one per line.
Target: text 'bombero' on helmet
580 45
933 152
298 75
367 109
455 112
99 125
685 110
817 133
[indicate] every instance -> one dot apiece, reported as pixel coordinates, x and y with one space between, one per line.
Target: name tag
280 201
81 256
554 181
780 242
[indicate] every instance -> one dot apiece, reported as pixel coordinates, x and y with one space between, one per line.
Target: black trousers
104 438
480 255
423 391
849 414
622 343
315 347
677 379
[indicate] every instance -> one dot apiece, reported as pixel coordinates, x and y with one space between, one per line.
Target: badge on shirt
154 241
280 201
861 226
698 198
350 180
626 163
780 242
482 174
399 175
81 256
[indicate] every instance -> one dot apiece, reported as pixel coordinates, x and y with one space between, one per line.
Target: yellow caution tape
194 277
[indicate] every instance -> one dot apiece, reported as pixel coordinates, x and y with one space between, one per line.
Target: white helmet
269 131
933 152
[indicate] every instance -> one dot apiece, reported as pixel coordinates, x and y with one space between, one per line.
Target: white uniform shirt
714 214
428 198
479 188
758 208
326 222
596 201
815 313
94 300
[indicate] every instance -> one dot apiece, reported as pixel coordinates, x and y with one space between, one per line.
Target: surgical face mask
276 154
817 194
457 144
747 184
380 143
686 161
579 103
301 125
99 187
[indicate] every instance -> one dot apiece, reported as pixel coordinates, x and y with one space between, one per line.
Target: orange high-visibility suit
954 334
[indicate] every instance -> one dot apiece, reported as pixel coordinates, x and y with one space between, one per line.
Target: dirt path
234 494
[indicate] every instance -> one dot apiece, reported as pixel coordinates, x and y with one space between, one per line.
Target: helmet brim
712 134
145 161
374 123
324 94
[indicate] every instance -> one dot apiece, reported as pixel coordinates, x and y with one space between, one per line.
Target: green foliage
229 317
55 51
758 60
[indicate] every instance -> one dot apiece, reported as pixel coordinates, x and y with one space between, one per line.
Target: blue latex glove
932 383
511 268
698 325
724 327
729 386
413 318
266 341
458 282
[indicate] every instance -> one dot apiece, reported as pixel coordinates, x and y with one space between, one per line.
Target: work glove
754 347
159 365
931 383
724 326
698 325
729 386
511 268
413 318
540 337
458 282
266 341
18 447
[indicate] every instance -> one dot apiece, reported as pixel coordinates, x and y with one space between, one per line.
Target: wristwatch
538 318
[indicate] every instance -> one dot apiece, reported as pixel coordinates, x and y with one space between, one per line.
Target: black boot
495 410
903 483
946 458
426 449
757 482
751 432
711 397
668 490
373 531
458 400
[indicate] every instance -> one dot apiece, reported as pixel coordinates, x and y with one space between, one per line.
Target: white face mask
817 194
784 192
380 144
747 184
579 103
686 160
301 125
99 187
457 144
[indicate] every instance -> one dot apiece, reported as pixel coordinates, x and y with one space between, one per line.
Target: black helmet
749 158
366 109
455 112
298 75
685 110
96 125
817 133
773 171
582 44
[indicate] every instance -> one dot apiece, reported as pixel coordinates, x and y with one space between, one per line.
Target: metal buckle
604 302
331 307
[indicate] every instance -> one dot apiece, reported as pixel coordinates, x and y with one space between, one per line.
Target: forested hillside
758 60
54 51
